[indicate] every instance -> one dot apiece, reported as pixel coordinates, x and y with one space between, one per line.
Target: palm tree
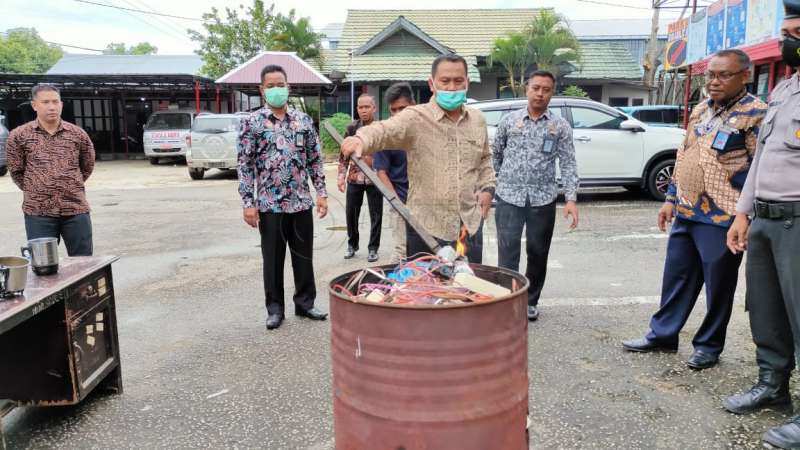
513 55
551 43
298 36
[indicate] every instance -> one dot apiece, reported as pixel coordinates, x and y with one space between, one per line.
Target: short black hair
741 57
270 68
41 87
397 91
450 57
542 73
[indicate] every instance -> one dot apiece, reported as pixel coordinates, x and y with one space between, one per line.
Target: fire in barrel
425 358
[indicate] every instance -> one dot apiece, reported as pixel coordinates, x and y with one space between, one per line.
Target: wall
486 89
621 90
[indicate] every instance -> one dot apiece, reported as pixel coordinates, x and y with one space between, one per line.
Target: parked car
165 133
656 115
3 139
212 143
611 148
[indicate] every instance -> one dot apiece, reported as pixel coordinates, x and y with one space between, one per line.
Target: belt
777 210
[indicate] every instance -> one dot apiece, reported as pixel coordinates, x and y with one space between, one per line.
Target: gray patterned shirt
525 153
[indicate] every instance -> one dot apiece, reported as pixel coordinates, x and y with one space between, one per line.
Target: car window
170 121
556 111
671 116
650 116
494 117
215 124
592 118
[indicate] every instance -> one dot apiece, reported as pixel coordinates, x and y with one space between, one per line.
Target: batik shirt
276 159
524 155
713 162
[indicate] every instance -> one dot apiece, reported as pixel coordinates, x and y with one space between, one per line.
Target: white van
212 143
165 133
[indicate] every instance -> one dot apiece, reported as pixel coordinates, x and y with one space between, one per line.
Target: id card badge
300 139
548 144
721 139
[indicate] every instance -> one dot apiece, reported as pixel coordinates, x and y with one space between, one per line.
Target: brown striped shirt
51 169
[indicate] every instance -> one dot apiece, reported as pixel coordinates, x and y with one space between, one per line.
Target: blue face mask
451 100
277 96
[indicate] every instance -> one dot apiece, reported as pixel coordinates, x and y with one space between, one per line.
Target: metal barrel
431 377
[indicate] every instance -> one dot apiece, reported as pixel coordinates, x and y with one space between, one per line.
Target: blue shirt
394 162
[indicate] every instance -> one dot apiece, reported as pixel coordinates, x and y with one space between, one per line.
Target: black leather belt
777 210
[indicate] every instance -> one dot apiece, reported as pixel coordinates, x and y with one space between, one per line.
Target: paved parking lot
200 371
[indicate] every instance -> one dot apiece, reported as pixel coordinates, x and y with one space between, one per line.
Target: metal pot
13 275
43 255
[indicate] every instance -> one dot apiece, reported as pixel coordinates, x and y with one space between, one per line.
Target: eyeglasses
722 76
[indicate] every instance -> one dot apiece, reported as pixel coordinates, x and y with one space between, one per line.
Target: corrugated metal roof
298 71
79 64
368 68
607 61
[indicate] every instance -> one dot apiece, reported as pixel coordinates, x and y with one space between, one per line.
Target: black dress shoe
274 321
701 360
533 313
350 252
312 313
771 390
373 256
644 345
786 435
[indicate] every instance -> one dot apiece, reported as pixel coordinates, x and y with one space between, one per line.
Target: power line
615 5
62 45
141 11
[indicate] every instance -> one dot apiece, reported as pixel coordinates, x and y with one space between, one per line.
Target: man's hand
322 207
571 209
485 203
665 215
341 184
352 146
251 217
737 234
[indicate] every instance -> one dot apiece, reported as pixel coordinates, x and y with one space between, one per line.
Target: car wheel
3 171
154 161
196 174
659 178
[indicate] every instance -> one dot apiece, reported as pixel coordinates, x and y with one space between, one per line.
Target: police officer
771 196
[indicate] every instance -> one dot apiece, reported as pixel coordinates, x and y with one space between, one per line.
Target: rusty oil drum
431 377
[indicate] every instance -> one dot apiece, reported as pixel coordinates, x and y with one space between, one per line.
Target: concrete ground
200 370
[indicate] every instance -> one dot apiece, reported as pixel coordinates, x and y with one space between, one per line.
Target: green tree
575 91
142 48
23 51
340 121
297 35
551 43
513 55
242 34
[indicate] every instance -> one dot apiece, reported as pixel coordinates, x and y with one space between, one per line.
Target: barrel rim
514 294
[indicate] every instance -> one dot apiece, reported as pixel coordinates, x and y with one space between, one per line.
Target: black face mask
790 51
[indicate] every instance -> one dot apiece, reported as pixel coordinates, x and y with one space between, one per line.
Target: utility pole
650 63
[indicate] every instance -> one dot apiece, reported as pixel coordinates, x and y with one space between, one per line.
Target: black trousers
415 244
696 255
353 202
75 230
539 222
297 230
773 291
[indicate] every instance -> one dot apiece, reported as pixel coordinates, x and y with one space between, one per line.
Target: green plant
513 55
574 91
340 121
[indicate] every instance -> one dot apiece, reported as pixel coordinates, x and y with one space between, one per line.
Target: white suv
611 148
165 133
212 143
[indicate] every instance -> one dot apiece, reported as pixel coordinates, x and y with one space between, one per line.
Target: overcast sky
90 26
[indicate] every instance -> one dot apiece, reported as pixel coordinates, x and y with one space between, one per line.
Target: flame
461 244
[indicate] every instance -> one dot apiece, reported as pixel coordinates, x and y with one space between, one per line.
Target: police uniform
771 197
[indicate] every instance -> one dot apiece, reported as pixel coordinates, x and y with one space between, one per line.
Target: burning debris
425 280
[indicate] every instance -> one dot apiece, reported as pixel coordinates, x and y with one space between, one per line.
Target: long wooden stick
389 194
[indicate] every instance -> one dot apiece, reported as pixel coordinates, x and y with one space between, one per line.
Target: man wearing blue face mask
278 153
450 169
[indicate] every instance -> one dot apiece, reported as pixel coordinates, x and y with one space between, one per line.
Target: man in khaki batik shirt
450 169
